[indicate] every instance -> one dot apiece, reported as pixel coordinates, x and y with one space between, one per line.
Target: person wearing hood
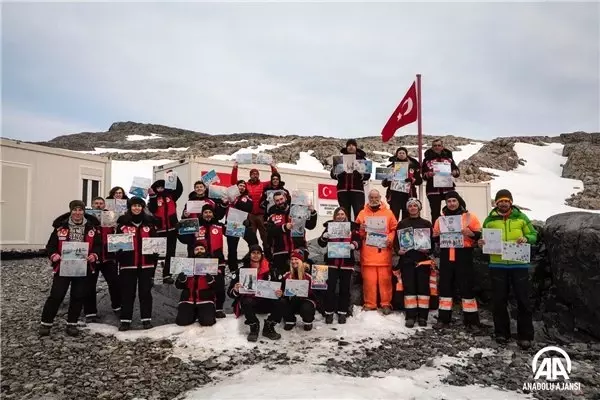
280 241
456 264
163 205
415 269
249 304
276 185
136 270
376 262
351 187
210 238
291 305
256 189
242 202
516 227
73 226
437 154
398 200
340 269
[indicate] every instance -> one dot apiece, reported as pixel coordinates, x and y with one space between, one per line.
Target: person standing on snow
516 227
435 195
376 262
398 200
351 186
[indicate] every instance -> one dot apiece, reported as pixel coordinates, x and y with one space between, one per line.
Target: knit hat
255 247
253 170
275 175
454 195
351 141
297 254
414 200
135 200
207 206
157 184
76 203
503 194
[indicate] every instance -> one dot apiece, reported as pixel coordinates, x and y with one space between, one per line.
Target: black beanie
276 175
76 203
351 141
240 181
404 149
135 200
454 195
503 194
208 207
255 247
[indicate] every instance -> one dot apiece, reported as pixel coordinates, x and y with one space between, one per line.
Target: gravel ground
98 366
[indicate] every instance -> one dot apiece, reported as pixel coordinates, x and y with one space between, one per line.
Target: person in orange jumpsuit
377 229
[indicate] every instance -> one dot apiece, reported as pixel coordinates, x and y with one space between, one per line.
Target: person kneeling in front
305 306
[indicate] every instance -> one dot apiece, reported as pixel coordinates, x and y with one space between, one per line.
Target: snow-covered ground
307 162
101 150
135 138
235 141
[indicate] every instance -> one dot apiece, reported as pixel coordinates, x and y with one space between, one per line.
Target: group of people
410 283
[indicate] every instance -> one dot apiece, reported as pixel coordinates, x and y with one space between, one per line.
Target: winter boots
269 330
329 318
253 335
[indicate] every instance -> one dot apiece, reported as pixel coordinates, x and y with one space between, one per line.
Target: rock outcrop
573 245
583 162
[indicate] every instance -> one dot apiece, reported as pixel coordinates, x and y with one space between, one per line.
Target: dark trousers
232 247
398 202
518 278
111 276
257 223
250 306
340 302
142 278
416 290
351 201
188 313
281 264
171 247
220 290
297 305
458 273
435 205
60 286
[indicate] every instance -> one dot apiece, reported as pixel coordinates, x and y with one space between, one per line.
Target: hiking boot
422 322
441 325
167 280
474 329
524 344
253 335
220 314
72 330
308 326
502 340
91 319
341 318
146 324
409 323
288 326
329 318
269 331
124 326
44 330
387 310
365 308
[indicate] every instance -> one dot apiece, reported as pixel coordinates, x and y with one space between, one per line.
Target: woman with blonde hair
291 304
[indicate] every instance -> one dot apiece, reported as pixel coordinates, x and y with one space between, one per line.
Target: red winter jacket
164 205
135 259
210 236
263 274
255 190
197 289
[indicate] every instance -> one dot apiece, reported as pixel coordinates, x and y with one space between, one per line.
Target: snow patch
235 141
307 162
382 153
124 171
466 151
136 138
100 150
246 150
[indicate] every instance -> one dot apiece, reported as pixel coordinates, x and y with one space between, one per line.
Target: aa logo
551 367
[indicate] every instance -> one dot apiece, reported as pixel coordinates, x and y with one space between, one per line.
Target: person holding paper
415 268
117 192
108 267
376 263
435 195
275 184
200 193
279 227
136 270
249 304
256 189
163 205
73 226
291 305
242 202
516 227
197 300
340 269
456 266
351 186
398 200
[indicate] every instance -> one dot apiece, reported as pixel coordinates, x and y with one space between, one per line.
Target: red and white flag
327 199
405 113
327 192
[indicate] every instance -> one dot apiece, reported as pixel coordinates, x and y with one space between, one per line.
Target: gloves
352 246
408 180
209 277
325 235
181 277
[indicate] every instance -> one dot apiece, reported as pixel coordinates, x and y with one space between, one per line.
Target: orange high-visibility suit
376 263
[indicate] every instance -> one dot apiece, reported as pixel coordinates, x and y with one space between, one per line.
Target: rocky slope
583 162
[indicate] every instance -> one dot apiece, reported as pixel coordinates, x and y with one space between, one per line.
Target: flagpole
419 120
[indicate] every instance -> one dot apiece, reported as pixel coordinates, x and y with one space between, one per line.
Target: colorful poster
349 160
320 274
210 178
339 230
122 241
376 240
422 238
154 245
235 222
203 266
406 240
442 175
296 287
217 192
493 241
140 186
182 264
449 240
338 250
383 173
248 280
264 158
188 226
195 206
376 224
363 166
170 180
512 251
244 158
267 289
109 219
450 223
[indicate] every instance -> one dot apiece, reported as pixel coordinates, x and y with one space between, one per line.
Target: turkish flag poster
327 199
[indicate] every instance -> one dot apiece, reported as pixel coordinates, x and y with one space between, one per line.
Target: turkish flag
405 113
327 192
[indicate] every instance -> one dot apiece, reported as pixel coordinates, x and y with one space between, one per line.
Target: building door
89 191
14 202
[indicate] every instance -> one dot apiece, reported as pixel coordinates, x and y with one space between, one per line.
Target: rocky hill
583 162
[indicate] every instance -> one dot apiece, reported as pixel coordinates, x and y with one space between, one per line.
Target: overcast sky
333 69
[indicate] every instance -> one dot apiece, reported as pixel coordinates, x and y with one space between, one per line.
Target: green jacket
515 226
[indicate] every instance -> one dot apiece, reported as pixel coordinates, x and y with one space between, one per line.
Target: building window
90 188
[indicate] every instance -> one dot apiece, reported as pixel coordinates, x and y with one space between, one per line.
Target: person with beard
340 269
351 186
435 195
279 227
291 305
136 270
249 304
256 189
210 237
242 202
415 267
456 266
117 192
275 185
398 200
197 300
376 263
73 226
516 227
108 267
163 205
